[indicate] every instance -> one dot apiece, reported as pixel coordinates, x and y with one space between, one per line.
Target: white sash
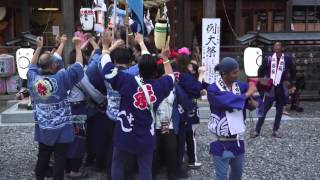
276 72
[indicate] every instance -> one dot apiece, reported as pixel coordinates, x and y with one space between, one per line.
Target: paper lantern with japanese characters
87 19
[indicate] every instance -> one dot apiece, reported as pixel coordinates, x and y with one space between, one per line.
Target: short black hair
183 62
160 69
121 56
148 66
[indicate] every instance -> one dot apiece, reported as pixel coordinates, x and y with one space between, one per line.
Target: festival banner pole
114 19
127 25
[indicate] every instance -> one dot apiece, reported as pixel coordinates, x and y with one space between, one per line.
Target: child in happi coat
192 119
49 89
228 99
79 98
192 86
140 98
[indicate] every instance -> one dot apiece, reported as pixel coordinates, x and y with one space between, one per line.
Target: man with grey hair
49 89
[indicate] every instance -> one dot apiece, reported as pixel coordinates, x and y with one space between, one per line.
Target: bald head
46 61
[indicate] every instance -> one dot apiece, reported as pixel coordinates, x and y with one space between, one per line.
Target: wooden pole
68 26
114 19
25 18
127 25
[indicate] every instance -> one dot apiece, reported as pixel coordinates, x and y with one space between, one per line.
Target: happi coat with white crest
134 130
222 99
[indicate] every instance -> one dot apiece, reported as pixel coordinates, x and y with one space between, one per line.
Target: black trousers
191 144
60 151
166 151
280 103
73 165
181 145
100 141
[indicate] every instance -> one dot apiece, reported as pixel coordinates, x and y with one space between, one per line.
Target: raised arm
63 40
201 71
139 39
93 43
36 54
77 44
165 55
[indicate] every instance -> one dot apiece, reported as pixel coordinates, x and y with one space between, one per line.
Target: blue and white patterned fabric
52 110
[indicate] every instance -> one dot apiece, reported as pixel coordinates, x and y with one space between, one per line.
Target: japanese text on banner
210 47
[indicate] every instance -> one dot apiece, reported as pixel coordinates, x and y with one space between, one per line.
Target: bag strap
146 94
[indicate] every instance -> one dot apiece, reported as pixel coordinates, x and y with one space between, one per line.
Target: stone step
15 115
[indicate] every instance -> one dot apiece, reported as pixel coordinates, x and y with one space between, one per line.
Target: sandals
276 134
286 113
254 134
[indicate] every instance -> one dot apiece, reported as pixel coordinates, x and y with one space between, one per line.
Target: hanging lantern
161 31
87 19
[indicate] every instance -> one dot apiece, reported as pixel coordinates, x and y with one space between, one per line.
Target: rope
49 17
229 23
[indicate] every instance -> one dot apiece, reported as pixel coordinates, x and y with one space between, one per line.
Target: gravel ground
296 156
311 110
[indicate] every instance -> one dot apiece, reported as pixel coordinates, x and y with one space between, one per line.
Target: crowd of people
117 108
114 108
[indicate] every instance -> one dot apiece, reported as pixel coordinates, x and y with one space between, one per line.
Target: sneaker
194 165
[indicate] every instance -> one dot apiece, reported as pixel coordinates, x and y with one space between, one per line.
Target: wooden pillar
209 8
255 22
25 18
270 21
188 25
179 22
68 26
307 21
288 15
238 15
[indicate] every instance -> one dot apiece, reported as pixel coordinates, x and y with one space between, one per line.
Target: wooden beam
238 16
25 18
188 25
68 26
288 15
255 22
179 22
209 8
270 21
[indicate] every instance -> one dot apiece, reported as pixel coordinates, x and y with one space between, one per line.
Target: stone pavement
296 156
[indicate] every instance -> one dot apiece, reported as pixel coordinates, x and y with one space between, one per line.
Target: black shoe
293 107
300 109
49 172
182 175
172 177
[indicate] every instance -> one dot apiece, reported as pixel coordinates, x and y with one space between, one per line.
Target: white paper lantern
23 59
